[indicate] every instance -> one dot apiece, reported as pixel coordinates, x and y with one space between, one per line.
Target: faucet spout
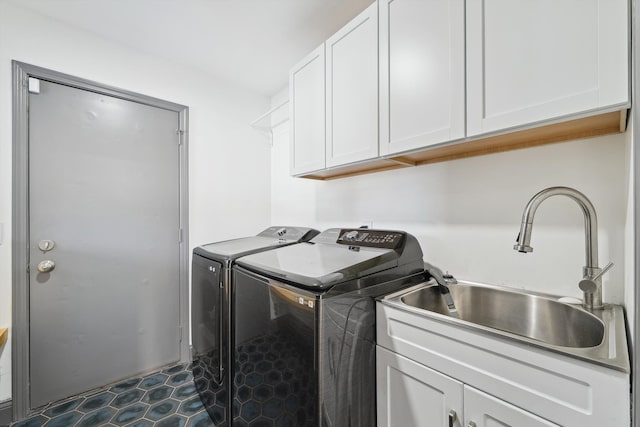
593 297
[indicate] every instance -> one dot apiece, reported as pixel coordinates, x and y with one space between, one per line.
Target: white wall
228 161
466 213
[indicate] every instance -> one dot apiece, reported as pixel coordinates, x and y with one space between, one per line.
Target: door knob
46 266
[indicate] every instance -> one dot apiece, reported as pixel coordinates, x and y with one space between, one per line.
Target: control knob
351 236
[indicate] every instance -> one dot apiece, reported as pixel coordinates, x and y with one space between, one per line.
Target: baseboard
6 412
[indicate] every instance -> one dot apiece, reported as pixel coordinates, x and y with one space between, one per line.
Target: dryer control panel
371 238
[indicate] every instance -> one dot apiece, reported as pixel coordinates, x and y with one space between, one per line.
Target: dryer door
275 355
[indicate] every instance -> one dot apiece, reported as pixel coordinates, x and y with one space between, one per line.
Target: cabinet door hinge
180 333
180 235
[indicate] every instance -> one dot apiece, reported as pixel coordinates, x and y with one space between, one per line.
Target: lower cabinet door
412 395
483 410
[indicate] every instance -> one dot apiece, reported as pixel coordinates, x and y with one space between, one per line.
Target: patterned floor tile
97 418
200 420
151 381
127 398
98 401
162 409
129 414
191 407
64 420
125 385
174 369
63 407
35 421
166 398
141 423
184 392
172 421
179 379
157 394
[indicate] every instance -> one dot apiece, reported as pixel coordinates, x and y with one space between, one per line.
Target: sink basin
531 316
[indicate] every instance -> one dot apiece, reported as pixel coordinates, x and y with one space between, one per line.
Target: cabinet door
410 394
422 75
352 90
307 109
483 410
529 61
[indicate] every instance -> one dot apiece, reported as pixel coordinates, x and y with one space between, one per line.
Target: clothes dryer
211 287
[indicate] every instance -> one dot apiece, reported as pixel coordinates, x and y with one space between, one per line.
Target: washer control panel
371 238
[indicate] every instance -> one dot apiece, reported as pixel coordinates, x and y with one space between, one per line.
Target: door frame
20 216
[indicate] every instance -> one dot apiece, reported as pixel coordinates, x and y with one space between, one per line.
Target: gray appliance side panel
206 308
347 377
209 335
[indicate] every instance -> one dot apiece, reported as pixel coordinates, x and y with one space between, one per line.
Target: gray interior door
104 207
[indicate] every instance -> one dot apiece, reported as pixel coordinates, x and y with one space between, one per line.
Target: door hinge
180 133
221 284
180 333
33 84
180 235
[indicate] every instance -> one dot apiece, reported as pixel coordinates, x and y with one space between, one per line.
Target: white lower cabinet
410 394
484 410
413 395
431 373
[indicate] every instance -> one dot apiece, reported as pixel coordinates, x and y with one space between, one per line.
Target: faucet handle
604 270
588 285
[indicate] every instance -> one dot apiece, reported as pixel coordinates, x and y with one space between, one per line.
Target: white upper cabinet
410 82
529 61
422 73
352 90
307 110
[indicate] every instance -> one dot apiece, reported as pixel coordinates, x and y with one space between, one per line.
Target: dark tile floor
166 398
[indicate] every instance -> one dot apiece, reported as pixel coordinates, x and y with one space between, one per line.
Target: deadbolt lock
46 245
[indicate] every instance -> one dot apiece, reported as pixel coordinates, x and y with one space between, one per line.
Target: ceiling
252 43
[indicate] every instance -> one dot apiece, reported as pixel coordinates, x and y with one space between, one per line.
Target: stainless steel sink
531 316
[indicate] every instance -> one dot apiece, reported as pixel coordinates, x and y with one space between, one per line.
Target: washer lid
320 265
272 237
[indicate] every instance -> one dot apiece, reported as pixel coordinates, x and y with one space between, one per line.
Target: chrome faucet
591 283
